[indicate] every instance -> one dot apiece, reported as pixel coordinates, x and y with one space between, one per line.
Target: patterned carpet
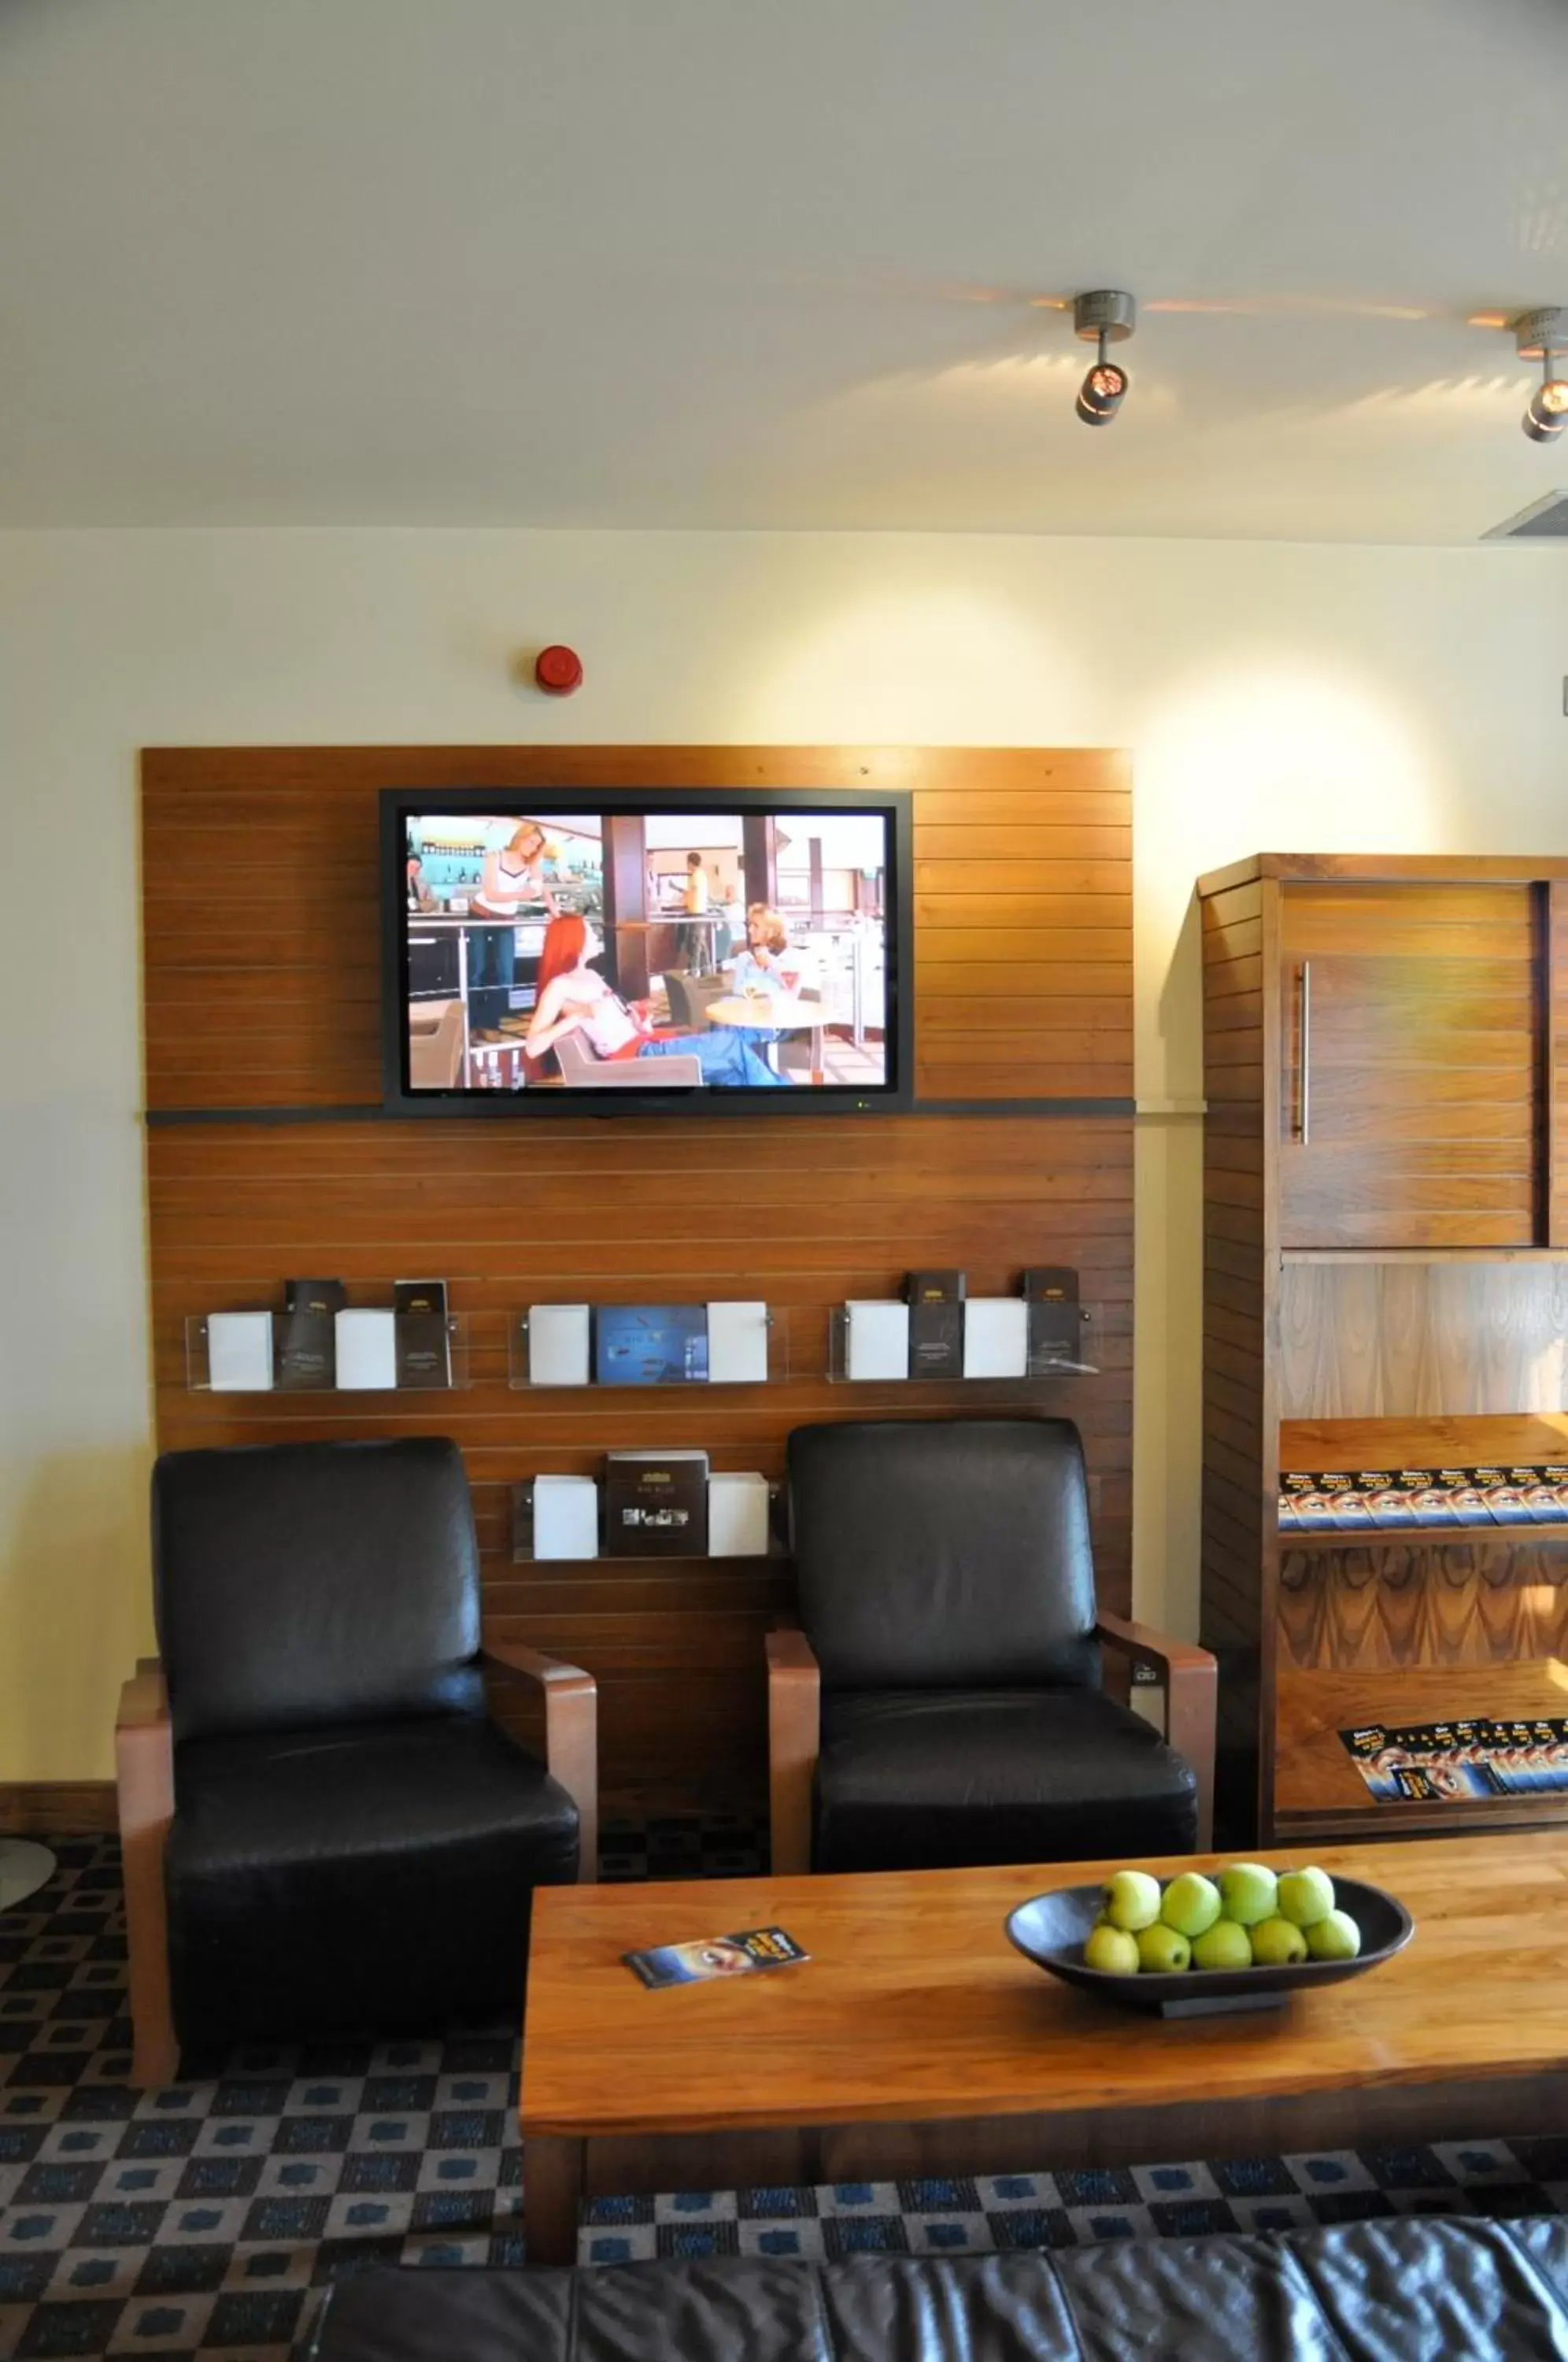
203 2220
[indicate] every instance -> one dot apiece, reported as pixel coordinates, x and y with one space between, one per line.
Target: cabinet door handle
1305 1127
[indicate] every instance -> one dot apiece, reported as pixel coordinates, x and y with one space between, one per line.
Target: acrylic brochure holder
643 1346
237 1352
868 1344
559 1519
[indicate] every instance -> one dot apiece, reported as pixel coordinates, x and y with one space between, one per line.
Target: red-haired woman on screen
574 998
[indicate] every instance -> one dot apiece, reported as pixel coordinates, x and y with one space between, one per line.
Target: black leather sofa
1399 2290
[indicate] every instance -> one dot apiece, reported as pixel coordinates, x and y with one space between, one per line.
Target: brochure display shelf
890 1366
553 1346
1404 1625
524 1537
1500 1441
245 1371
1320 1792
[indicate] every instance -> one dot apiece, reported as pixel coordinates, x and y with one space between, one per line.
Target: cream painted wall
1274 696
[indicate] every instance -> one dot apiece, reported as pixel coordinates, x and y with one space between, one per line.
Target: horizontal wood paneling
1023 991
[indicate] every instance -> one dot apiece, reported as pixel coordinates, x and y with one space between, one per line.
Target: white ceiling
775 262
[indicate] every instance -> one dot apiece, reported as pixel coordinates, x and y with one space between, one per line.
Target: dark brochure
424 1350
305 1338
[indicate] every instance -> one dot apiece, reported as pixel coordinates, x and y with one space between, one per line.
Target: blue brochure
650 1344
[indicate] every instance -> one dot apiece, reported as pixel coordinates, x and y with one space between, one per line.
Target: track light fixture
1104 316
1543 336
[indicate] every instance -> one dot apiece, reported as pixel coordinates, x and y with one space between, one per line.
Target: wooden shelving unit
1385 1236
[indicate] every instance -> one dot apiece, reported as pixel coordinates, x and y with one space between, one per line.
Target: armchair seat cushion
939 1779
375 1876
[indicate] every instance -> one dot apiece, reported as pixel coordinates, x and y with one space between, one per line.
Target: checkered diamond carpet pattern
205 2220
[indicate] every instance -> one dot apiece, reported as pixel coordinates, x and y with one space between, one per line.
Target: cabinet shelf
1422 1254
1418 1536
1463 1441
1318 1787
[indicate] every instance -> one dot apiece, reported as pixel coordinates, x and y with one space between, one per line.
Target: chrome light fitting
1105 316
1542 336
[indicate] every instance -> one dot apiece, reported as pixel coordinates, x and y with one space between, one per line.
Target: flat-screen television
622 952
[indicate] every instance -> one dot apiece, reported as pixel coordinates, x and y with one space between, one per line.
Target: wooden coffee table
917 2042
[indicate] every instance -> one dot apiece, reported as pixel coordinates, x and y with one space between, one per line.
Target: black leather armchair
324 1832
942 1705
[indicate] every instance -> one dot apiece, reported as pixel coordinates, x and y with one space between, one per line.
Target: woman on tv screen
574 1000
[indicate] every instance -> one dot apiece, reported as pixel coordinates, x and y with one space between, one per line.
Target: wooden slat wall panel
1020 993
256 862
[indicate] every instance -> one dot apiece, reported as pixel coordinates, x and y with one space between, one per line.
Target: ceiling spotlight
1105 316
1543 336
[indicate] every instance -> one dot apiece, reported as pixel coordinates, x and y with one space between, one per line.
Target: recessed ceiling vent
1544 520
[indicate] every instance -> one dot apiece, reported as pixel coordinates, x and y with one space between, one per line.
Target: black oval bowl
1050 1929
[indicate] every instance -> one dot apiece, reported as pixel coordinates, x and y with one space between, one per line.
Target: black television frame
891 804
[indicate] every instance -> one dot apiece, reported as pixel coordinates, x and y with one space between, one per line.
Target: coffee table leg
552 2197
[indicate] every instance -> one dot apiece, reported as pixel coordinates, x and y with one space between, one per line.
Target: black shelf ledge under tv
713 1102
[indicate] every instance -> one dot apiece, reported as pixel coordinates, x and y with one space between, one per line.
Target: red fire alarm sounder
559 670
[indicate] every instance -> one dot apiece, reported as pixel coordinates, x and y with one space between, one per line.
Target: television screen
615 951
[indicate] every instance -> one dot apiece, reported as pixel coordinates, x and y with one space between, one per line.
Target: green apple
1306 1895
1223 1945
1112 1951
1277 1942
1335 1936
1190 1904
1131 1899
1247 1892
1162 1952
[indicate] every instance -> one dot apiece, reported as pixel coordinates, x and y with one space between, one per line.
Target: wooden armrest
794 1738
572 1733
144 1770
1145 1645
1191 1687
790 1652
144 1699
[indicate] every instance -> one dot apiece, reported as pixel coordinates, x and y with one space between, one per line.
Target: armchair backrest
944 1553
299 1583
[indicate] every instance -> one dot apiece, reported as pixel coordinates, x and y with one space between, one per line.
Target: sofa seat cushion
375 1878
945 1779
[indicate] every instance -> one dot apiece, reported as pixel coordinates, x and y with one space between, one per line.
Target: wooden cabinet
1411 1064
1385 1285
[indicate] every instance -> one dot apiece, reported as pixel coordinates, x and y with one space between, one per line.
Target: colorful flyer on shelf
1347 1502
1313 1511
1505 1501
1459 1761
1540 1497
717 1955
1428 1498
1466 1502
1387 1503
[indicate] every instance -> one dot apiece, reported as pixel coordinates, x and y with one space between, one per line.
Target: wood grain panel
1421 1006
1486 1601
1023 991
1420 1339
